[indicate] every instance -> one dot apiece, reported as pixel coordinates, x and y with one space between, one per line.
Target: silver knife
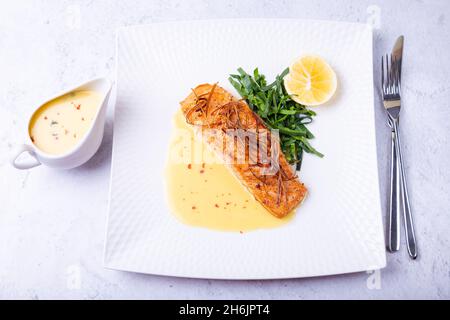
393 217
397 56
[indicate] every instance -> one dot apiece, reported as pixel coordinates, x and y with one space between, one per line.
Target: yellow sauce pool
202 192
59 125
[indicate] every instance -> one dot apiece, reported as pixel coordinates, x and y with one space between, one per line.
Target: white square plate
337 230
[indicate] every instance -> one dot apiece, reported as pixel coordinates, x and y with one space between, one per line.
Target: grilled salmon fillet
216 112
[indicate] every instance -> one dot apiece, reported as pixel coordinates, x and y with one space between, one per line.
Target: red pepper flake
216 205
202 171
78 106
258 186
189 166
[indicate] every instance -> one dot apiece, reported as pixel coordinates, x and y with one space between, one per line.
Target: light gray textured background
52 223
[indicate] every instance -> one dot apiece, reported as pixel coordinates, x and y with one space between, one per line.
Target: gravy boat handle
26 164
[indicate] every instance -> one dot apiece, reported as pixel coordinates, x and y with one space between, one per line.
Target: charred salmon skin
218 113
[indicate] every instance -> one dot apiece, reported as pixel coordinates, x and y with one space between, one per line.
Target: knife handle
393 223
407 215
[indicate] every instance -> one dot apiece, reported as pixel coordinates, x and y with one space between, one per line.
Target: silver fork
391 89
393 218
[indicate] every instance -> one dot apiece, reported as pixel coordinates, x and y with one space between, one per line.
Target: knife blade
397 54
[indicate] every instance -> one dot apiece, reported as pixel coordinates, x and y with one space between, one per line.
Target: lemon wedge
311 81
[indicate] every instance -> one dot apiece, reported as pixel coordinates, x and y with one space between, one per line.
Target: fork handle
393 231
407 215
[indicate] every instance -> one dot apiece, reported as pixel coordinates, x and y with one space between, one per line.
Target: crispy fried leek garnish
228 117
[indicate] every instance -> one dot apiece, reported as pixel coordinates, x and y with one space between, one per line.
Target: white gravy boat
80 153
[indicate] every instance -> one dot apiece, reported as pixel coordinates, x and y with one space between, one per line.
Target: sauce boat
83 150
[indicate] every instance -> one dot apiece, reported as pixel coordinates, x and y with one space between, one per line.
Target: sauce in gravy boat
66 131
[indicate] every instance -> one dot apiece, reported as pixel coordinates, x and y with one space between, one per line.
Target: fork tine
397 80
388 74
398 75
393 74
382 75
